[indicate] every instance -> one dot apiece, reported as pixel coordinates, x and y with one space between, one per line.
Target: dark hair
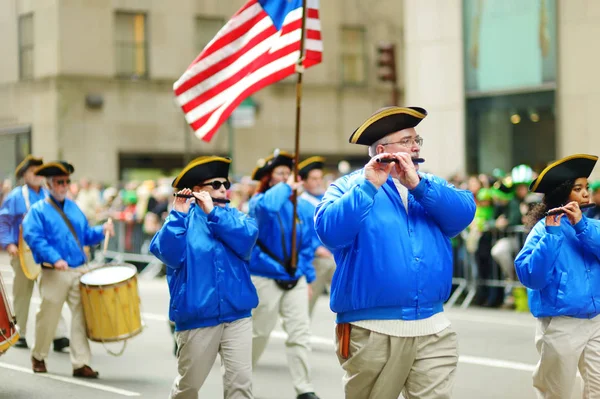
554 199
265 183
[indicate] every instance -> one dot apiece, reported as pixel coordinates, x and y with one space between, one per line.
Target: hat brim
200 170
27 163
58 168
569 168
386 121
309 164
271 162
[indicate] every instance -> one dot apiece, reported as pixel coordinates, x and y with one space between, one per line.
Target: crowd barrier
131 244
474 266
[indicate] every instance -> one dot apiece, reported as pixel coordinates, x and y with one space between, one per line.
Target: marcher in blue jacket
13 210
311 172
389 228
560 266
59 249
206 244
282 290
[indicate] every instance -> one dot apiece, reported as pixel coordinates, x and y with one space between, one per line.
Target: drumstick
106 237
392 160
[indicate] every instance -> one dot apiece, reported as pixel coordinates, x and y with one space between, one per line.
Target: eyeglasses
60 182
408 142
217 184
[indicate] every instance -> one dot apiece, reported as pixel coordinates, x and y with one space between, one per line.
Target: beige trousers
196 354
58 287
566 344
503 253
324 268
382 366
292 307
22 290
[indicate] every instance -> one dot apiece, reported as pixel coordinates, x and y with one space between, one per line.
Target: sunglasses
60 182
217 184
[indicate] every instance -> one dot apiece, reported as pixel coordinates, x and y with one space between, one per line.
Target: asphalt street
497 357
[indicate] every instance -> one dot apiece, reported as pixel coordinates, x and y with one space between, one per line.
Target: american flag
258 46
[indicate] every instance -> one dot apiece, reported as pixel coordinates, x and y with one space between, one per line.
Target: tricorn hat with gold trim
28 162
386 121
568 168
309 164
202 169
269 163
56 168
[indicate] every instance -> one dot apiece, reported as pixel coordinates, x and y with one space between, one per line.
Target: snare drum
8 328
111 303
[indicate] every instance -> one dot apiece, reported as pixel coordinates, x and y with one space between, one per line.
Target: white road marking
489 319
73 381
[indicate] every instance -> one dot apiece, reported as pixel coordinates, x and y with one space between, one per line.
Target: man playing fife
389 228
56 231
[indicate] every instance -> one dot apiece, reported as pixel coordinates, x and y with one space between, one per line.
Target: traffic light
386 62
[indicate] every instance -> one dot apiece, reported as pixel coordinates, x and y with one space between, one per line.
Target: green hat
595 185
521 174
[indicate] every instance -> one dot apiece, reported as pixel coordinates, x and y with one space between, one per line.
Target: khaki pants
324 268
58 287
22 290
504 254
292 306
566 344
196 354
382 366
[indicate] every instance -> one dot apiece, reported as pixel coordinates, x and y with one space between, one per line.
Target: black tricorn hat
269 163
309 164
202 169
56 168
28 162
568 168
386 121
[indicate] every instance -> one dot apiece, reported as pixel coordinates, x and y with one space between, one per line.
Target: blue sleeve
92 235
588 233
169 244
339 215
452 210
535 262
237 230
33 234
273 199
305 260
7 222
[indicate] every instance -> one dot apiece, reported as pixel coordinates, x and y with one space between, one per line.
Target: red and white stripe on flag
247 54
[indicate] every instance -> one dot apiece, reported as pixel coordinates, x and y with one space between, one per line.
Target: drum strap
67 222
25 192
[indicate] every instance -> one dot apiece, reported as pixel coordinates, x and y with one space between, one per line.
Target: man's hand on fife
378 172
407 174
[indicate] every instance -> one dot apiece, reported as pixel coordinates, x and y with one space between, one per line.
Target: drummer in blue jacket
283 291
560 266
206 244
56 231
389 228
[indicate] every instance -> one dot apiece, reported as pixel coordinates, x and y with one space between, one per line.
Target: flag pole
299 70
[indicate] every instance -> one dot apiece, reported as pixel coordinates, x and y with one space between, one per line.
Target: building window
26 46
206 29
131 45
353 59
